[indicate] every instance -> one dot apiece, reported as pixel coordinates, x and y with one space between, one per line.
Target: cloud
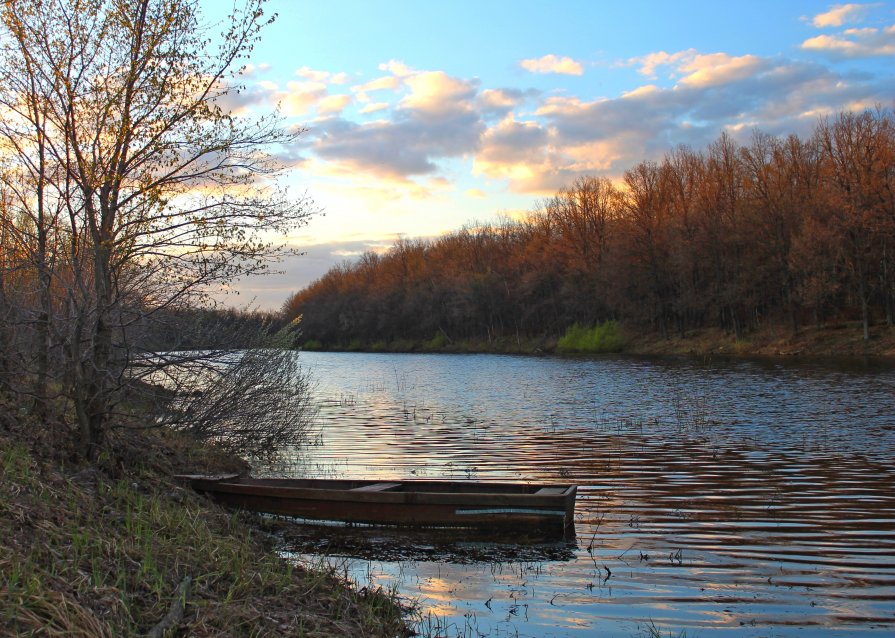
436 119
436 93
396 68
333 104
301 97
535 143
240 103
296 272
385 83
374 107
252 70
499 102
650 62
689 67
719 68
640 91
552 64
409 145
523 154
512 142
325 77
854 43
566 136
841 14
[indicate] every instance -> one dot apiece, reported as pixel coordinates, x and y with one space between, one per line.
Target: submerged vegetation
780 234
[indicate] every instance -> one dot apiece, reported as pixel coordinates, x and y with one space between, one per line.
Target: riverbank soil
112 549
837 340
840 340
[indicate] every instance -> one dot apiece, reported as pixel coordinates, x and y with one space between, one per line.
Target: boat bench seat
548 491
376 487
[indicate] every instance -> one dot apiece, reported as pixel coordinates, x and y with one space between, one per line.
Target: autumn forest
784 231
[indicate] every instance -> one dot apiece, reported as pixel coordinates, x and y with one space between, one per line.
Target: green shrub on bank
604 337
312 344
436 343
355 345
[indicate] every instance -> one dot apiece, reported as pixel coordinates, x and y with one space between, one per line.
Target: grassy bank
839 340
110 550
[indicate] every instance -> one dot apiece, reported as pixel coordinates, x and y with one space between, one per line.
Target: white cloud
436 117
325 77
437 92
641 91
250 70
699 69
650 62
552 64
373 107
396 68
497 99
719 68
384 83
301 97
841 14
854 43
333 104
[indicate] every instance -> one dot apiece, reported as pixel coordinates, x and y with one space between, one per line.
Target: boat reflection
454 545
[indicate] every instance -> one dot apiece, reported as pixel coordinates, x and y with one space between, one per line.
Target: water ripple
722 498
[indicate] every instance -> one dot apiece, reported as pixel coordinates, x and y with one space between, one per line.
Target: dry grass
833 341
100 551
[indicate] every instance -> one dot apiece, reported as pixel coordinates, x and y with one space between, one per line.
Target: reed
650 630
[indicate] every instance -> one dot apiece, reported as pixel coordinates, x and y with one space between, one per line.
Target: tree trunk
865 310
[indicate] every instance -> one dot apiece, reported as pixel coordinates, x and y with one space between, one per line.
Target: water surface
740 498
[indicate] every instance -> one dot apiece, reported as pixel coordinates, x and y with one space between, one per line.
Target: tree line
128 193
783 231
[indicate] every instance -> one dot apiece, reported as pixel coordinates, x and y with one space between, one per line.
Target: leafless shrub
252 403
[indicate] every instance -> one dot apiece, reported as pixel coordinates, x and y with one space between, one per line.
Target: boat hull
499 506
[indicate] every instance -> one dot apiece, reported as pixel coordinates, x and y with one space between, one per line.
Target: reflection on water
746 498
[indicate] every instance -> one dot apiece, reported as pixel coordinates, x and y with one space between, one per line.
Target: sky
420 117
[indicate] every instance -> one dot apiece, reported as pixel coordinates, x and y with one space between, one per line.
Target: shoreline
829 342
120 548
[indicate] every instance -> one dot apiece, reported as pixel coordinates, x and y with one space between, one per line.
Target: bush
312 344
604 337
355 345
250 403
437 342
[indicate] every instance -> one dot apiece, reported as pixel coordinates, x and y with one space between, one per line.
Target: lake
744 498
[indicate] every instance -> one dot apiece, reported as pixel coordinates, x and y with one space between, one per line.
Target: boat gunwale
406 495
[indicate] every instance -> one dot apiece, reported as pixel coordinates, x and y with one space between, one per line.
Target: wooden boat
497 506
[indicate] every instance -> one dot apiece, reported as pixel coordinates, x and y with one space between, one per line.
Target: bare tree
857 170
165 194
